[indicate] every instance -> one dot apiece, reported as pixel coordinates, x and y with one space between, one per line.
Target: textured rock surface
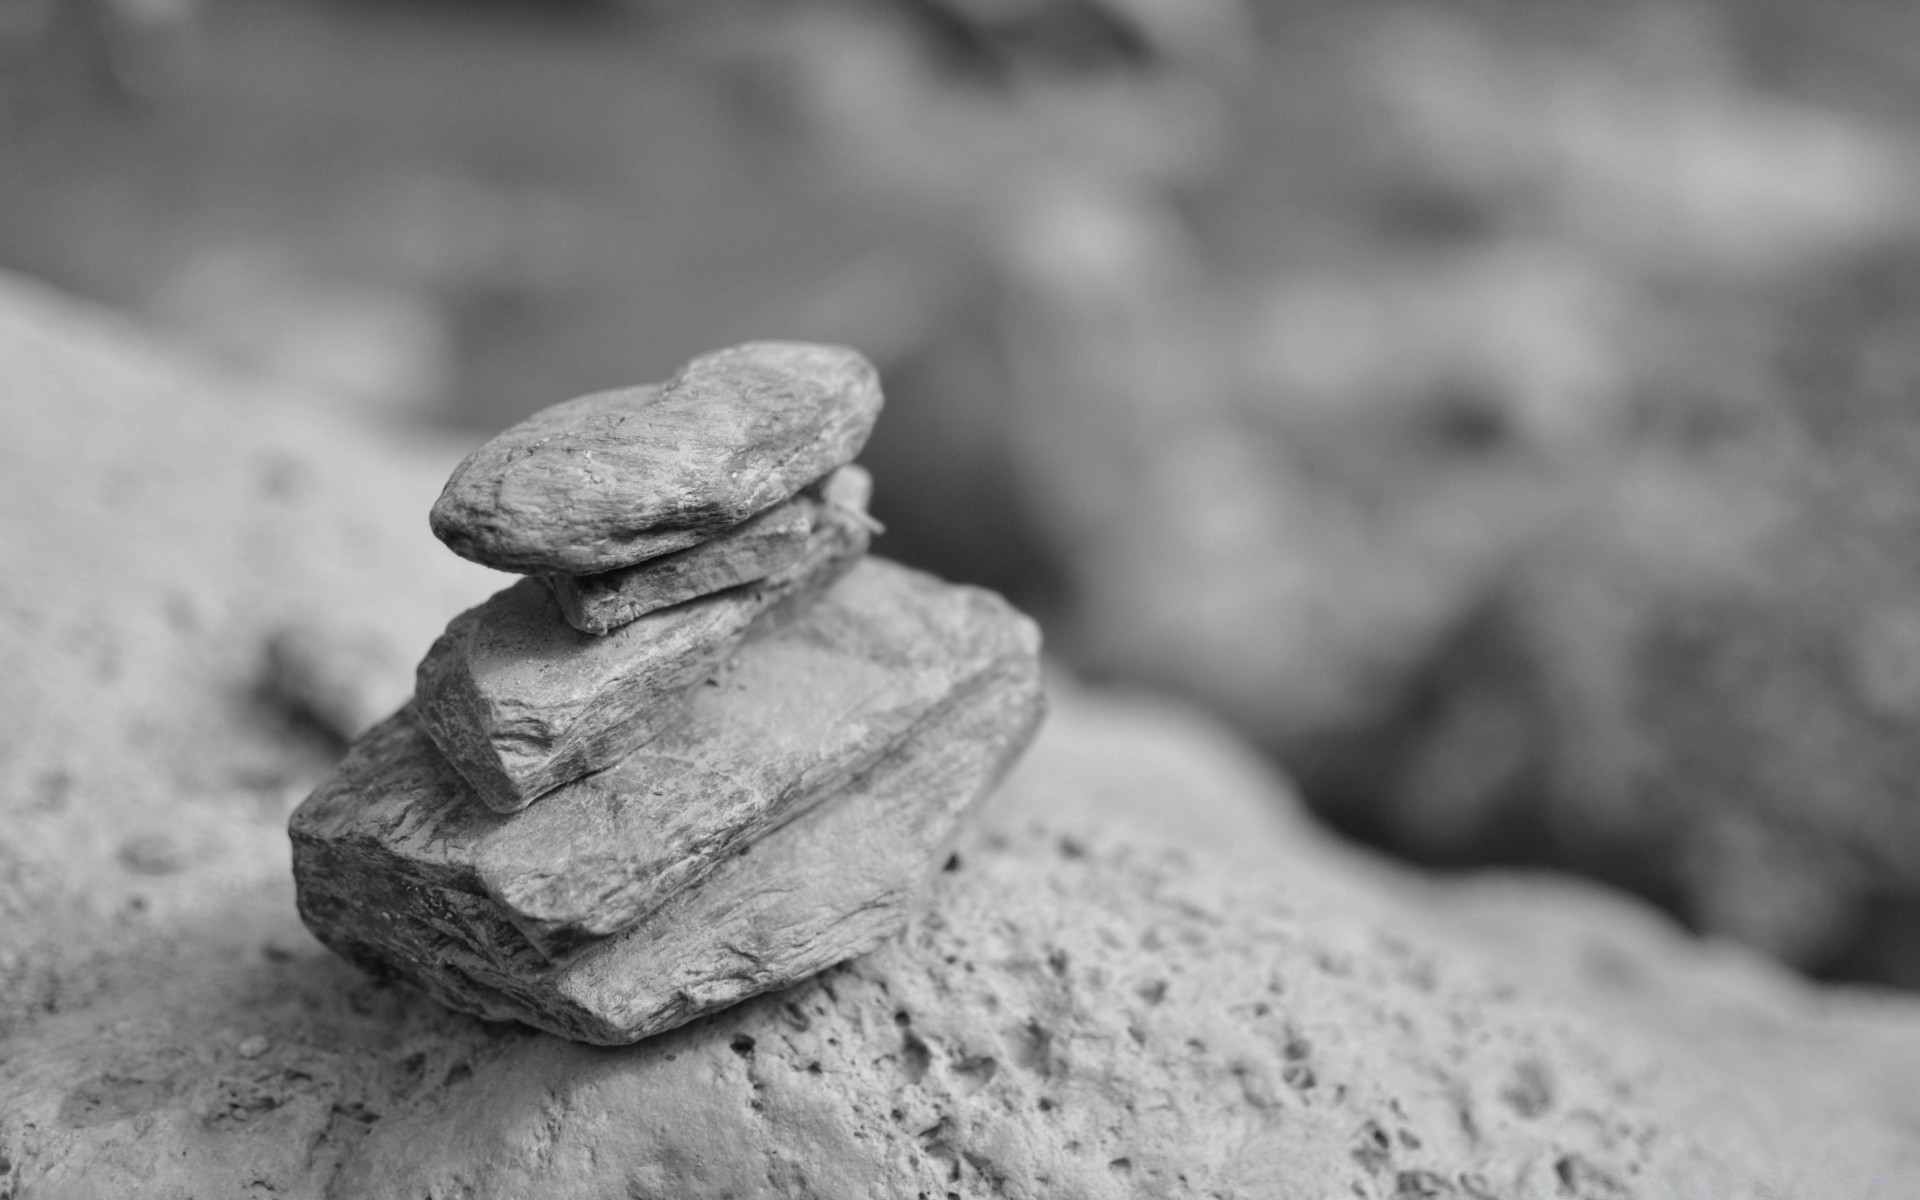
521 702
177 1034
612 479
885 666
834 509
1140 970
831 885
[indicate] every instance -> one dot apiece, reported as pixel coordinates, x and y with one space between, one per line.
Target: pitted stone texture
521 702
1018 1040
883 670
612 479
1092 1007
833 511
131 474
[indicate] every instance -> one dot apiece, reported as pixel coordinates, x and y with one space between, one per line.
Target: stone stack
705 750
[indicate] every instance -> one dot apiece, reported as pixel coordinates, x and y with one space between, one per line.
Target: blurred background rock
1508 415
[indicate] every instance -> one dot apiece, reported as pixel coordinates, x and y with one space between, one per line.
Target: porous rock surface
611 479
1144 975
774 541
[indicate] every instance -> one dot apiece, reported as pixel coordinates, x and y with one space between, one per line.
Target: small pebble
255 1046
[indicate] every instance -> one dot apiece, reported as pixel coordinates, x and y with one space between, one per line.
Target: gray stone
130 474
834 508
612 479
794 718
784 825
521 702
1108 934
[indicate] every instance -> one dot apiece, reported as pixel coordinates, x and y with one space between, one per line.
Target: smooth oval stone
774 541
616 478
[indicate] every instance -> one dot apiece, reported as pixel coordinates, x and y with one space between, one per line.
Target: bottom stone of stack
392 861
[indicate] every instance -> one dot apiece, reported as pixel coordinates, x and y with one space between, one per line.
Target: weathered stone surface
1139 914
137 482
833 509
521 702
618 477
179 520
1305 1032
887 655
864 728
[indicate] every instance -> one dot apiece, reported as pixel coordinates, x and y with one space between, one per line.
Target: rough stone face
521 702
180 1036
768 916
1300 1033
1138 915
618 477
834 509
882 668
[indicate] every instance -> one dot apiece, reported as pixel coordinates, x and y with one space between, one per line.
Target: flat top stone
795 718
618 477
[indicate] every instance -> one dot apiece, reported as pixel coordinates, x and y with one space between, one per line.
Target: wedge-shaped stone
796 863
833 509
612 479
521 702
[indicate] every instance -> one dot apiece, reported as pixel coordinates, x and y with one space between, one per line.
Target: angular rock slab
764 545
795 717
612 479
521 702
788 825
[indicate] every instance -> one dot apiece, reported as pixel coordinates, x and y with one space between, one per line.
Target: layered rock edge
814 862
763 545
521 702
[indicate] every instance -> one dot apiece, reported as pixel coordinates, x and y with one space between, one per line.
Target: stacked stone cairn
704 750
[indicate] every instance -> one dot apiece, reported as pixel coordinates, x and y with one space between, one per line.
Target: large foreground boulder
1142 973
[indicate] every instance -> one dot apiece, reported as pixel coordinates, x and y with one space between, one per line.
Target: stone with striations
761 546
615 478
787 823
521 702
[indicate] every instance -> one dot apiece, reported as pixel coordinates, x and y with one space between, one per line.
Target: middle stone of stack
665 525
